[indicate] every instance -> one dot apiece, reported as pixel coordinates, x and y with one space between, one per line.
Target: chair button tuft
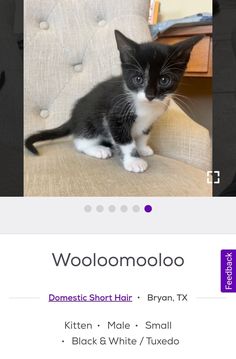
102 23
44 25
78 68
44 113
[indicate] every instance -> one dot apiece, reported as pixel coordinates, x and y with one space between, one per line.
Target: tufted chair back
70 47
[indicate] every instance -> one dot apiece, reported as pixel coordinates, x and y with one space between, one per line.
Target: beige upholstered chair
69 47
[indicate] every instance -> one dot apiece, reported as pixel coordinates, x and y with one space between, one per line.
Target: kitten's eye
138 80
165 81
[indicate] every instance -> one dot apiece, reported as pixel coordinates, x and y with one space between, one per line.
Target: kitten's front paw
145 151
99 152
135 165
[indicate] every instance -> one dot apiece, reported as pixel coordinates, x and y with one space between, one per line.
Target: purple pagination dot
148 208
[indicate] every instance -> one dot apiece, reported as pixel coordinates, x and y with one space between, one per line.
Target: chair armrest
177 136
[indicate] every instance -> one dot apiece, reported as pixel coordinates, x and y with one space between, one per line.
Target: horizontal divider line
24 298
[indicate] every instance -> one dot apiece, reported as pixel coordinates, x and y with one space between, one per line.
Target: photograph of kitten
117 114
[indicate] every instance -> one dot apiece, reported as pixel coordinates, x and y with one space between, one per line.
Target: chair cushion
61 171
70 47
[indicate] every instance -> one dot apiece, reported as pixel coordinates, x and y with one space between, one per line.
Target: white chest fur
147 113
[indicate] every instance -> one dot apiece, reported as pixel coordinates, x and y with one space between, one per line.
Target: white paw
99 152
145 151
135 165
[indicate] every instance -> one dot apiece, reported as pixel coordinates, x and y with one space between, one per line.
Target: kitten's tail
61 131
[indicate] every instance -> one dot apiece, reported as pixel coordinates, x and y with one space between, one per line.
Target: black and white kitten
118 113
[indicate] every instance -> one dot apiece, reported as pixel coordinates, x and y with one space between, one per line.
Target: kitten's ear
123 43
183 49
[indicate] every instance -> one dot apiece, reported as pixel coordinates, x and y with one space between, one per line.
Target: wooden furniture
200 63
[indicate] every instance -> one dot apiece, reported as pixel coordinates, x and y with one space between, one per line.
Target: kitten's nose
150 97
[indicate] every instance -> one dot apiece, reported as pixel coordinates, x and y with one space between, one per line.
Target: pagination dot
100 208
136 208
124 208
148 208
111 208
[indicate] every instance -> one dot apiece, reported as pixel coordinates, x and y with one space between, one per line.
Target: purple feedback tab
228 271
